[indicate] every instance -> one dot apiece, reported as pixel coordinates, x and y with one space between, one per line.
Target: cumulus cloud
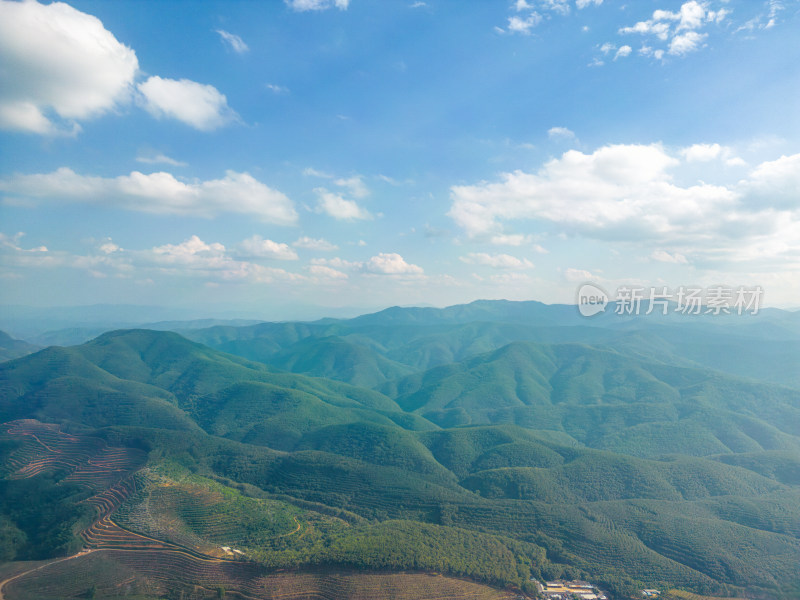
579 275
306 5
523 25
190 252
159 193
233 41
258 247
390 264
622 52
198 105
775 183
686 42
326 272
60 66
355 185
314 244
679 29
194 257
496 261
711 152
628 193
526 17
701 152
381 264
338 207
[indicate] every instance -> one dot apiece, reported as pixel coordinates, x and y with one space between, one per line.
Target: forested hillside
464 451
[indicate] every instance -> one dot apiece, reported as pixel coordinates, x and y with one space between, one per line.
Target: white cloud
326 272
381 264
559 6
579 275
390 264
193 251
354 185
524 26
311 172
160 159
776 183
627 193
623 52
258 247
13 242
233 41
666 257
315 244
560 133
496 261
337 263
194 257
607 47
109 247
681 29
159 193
338 207
198 105
693 15
60 66
584 3
306 5
710 152
654 27
686 42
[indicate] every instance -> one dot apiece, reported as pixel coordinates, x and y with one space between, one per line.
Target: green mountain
373 349
14 348
529 459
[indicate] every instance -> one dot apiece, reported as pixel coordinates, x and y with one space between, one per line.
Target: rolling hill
558 456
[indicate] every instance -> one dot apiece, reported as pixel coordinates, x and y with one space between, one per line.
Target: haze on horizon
330 153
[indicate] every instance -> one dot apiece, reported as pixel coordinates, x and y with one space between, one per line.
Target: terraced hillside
175 527
154 574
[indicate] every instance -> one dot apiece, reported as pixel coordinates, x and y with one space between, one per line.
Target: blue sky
267 157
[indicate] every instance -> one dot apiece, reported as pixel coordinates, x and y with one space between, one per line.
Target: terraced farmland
115 573
160 531
88 461
195 512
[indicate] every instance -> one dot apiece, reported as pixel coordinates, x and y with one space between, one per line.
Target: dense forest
503 443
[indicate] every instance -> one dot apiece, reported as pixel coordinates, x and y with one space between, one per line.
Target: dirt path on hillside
47 564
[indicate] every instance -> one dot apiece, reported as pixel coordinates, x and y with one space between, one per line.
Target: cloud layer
159 193
629 193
